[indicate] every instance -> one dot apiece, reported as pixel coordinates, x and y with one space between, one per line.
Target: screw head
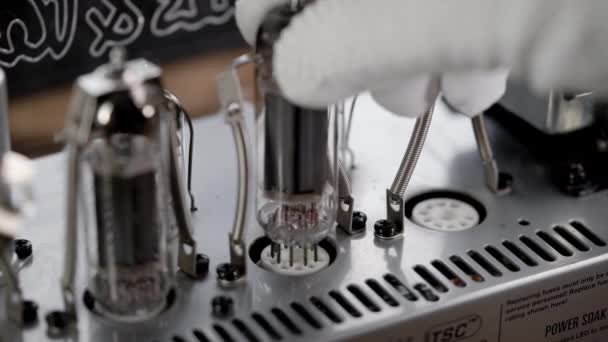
385 229
229 272
29 312
222 306
359 220
573 178
202 265
57 320
505 180
23 248
89 300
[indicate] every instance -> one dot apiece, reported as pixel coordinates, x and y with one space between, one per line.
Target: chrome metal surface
450 162
231 99
554 113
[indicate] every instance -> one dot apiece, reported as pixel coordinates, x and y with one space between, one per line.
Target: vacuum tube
124 176
296 159
127 224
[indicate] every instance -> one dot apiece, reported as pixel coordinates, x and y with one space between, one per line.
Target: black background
26 77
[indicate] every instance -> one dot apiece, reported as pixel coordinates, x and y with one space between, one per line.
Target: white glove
337 48
468 92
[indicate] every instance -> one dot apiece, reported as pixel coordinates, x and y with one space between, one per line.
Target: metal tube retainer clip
232 104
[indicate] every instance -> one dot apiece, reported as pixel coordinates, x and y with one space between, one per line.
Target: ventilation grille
282 324
510 256
375 295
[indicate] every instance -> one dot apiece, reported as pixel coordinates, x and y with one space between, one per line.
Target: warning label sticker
574 310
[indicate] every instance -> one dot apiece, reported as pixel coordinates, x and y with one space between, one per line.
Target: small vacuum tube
296 157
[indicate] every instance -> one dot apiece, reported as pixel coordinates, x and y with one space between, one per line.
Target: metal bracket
346 202
79 123
187 253
231 100
395 212
346 207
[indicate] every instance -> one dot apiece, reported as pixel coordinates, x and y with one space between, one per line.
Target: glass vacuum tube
296 154
126 207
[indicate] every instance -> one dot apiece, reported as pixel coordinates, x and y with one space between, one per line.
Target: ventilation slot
586 232
306 315
286 321
222 333
400 287
573 240
502 259
484 263
345 304
541 252
178 339
363 298
267 327
200 336
430 278
244 330
466 268
426 293
381 292
518 252
324 309
448 273
556 245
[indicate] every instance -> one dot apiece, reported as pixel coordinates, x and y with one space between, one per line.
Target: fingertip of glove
410 98
249 15
471 93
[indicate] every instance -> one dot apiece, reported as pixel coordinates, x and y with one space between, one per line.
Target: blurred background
46 44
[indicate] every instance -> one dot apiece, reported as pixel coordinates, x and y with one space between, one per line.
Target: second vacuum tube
296 155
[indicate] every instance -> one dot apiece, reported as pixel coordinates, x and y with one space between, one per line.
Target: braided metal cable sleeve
414 148
344 184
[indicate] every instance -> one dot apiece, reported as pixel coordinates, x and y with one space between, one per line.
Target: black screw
229 272
23 248
385 229
222 306
359 220
505 180
89 300
58 322
29 312
202 265
573 178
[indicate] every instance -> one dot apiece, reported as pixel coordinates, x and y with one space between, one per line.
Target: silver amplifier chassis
359 296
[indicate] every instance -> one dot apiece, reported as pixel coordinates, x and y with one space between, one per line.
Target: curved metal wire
177 103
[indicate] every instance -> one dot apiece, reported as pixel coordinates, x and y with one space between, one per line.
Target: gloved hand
337 48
